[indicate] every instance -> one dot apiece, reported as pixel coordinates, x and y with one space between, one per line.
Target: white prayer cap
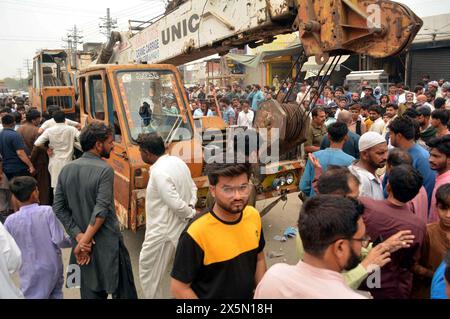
370 139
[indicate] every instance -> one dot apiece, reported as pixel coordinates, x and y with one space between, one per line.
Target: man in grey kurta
84 203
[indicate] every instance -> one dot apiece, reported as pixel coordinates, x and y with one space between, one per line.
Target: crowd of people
374 223
391 152
236 106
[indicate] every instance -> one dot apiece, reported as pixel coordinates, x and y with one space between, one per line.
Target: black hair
375 108
340 89
417 88
59 116
52 109
152 143
386 96
5 110
92 133
225 100
443 196
424 110
397 157
393 105
8 119
46 116
325 219
411 113
405 182
441 115
316 110
355 106
32 114
17 117
403 125
439 102
335 181
215 170
442 144
22 187
337 131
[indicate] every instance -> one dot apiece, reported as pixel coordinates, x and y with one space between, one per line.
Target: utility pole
26 64
19 71
108 24
73 40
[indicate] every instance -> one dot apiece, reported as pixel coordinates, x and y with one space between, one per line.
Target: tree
16 84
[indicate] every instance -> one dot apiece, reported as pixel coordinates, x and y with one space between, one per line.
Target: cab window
97 97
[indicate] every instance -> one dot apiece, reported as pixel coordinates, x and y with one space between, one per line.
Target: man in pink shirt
333 233
439 162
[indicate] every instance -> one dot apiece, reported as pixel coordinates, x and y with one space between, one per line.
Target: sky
29 25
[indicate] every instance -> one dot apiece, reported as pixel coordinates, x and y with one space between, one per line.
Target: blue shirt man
420 162
229 116
402 131
334 155
12 149
258 97
438 283
350 146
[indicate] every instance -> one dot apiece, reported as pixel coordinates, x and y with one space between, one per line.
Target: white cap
369 140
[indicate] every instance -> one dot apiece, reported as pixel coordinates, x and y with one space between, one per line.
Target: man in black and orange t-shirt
220 253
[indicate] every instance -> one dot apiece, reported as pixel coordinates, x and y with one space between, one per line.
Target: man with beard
220 254
409 104
355 97
316 131
333 233
84 203
440 120
169 205
439 162
427 131
391 114
383 218
403 135
340 181
373 155
368 98
378 124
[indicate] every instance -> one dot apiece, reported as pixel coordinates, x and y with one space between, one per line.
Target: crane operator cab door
96 104
150 100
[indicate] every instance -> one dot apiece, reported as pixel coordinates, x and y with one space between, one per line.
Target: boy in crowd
39 235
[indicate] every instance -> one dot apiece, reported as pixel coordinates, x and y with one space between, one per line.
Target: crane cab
134 99
52 82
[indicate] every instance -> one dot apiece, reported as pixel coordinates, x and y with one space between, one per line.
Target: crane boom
196 29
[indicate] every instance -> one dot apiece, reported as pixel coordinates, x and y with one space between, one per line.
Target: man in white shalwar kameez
10 262
169 205
62 139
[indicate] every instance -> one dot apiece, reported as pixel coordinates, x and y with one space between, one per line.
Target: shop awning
253 61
